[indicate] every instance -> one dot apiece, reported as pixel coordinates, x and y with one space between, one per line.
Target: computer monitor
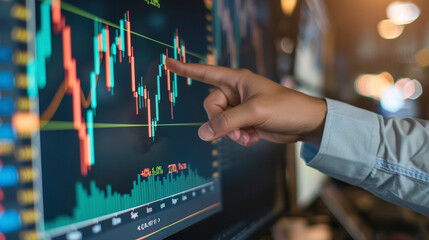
99 139
309 73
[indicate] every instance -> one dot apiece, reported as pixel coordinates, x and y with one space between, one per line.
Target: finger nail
206 132
244 139
231 135
240 141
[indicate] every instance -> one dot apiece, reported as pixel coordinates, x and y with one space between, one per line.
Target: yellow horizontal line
181 220
73 9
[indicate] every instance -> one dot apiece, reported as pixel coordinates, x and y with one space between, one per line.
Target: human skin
246 107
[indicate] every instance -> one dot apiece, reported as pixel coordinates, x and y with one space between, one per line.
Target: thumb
240 116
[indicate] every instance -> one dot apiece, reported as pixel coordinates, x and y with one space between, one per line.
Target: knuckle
222 121
206 104
244 75
256 108
244 71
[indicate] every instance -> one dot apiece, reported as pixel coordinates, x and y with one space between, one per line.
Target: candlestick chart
110 108
99 139
119 49
240 31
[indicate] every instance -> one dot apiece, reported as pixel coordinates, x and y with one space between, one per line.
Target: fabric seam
394 168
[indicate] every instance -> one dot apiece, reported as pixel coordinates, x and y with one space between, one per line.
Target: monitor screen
310 61
99 139
311 47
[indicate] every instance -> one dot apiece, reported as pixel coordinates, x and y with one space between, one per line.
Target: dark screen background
122 153
253 178
250 177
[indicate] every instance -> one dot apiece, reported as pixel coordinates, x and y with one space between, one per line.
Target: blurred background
373 55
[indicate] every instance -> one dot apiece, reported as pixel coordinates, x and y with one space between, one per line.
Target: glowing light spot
287 45
391 99
422 57
362 83
379 83
388 30
288 6
418 90
25 122
406 87
401 13
373 85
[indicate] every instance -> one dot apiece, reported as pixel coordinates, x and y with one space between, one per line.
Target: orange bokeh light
370 85
406 87
25 122
388 30
288 6
422 57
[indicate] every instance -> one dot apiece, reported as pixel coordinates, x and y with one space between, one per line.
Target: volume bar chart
113 117
98 202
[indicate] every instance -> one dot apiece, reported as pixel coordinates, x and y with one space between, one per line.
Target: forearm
401 171
386 157
355 145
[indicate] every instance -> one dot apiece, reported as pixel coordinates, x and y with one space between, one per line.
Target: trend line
181 220
49 112
66 125
103 49
53 106
73 9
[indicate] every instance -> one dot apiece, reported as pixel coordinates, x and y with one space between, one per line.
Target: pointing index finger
213 75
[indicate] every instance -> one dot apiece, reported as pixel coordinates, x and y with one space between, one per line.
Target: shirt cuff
349 143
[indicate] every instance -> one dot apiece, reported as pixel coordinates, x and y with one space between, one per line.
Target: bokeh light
287 45
371 85
362 83
388 30
401 13
382 87
418 90
391 99
288 6
422 57
406 87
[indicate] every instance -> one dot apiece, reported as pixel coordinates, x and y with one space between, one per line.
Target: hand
246 107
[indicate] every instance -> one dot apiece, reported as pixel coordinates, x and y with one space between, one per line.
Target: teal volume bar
96 202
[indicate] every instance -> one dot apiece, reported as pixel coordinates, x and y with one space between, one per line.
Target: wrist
315 134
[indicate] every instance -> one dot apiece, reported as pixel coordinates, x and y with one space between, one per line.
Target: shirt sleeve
388 157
